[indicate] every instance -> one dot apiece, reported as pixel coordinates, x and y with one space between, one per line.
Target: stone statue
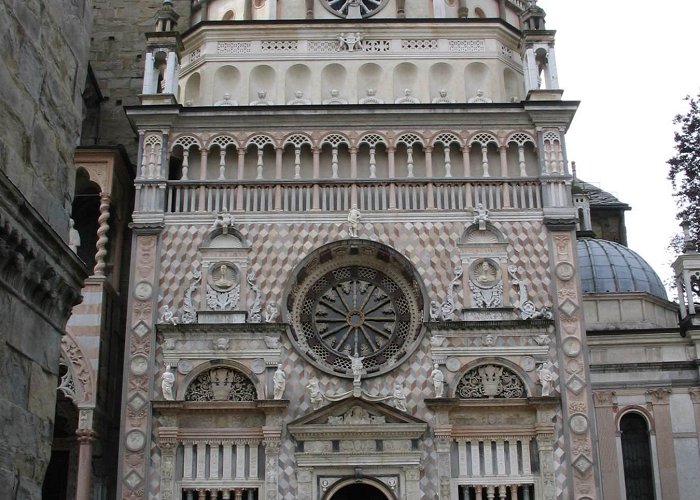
438 381
350 41
279 381
479 98
168 317
407 98
482 216
354 217
371 98
224 220
271 312
315 394
335 98
485 273
73 237
546 376
442 98
299 98
434 311
357 368
167 383
399 397
262 99
226 101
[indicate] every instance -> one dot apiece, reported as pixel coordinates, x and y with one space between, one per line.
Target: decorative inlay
135 440
578 422
571 346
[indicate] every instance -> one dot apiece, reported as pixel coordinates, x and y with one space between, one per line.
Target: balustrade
498 467
225 469
339 196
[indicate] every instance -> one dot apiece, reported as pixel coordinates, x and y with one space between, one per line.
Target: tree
685 168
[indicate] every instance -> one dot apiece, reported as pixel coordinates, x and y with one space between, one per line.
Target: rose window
354 8
354 306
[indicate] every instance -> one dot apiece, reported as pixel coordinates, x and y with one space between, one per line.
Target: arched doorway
358 491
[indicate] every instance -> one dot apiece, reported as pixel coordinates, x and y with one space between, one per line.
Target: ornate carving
271 312
356 416
102 229
604 398
221 384
354 218
279 381
67 384
546 377
315 395
399 397
448 308
168 317
350 41
255 315
189 313
490 381
659 395
78 368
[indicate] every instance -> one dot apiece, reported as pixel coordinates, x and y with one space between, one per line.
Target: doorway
359 491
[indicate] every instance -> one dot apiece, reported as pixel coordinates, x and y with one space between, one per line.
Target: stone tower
354 261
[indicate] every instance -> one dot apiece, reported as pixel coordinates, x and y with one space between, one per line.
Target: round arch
638 410
527 382
367 486
220 363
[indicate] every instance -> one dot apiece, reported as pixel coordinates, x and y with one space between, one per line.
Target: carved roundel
484 273
356 299
351 8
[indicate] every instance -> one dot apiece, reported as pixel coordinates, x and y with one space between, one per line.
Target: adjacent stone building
44 53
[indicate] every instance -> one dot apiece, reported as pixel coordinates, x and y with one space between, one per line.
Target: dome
608 267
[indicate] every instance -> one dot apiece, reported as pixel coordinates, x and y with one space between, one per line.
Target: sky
630 63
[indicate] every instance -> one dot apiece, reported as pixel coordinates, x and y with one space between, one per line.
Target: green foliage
685 167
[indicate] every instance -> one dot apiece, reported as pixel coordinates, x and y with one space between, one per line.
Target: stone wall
118 45
44 50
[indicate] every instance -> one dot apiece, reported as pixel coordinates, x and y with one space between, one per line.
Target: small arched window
636 457
229 15
479 13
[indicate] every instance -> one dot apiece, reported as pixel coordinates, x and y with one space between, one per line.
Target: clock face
353 307
350 8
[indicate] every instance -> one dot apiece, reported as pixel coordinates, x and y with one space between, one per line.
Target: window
636 457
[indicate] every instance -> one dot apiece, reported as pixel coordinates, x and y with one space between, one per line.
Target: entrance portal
359 492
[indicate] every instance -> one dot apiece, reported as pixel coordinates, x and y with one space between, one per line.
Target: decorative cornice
35 264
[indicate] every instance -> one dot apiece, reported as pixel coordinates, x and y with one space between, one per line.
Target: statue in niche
399 397
438 379
223 281
226 101
262 99
350 41
371 98
442 98
299 98
73 236
485 273
407 98
546 376
354 217
279 381
479 98
335 98
485 284
255 315
167 383
315 394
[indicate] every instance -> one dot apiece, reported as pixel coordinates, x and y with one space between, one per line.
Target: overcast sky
630 63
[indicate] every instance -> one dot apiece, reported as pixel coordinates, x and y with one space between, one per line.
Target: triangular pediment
354 415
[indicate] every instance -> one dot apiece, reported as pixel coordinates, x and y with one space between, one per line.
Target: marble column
84 482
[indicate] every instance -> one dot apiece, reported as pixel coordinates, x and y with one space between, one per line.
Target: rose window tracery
221 384
354 8
490 381
355 306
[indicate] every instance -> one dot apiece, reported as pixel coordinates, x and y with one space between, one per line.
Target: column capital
85 436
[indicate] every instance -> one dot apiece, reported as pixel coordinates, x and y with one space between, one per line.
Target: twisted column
102 240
